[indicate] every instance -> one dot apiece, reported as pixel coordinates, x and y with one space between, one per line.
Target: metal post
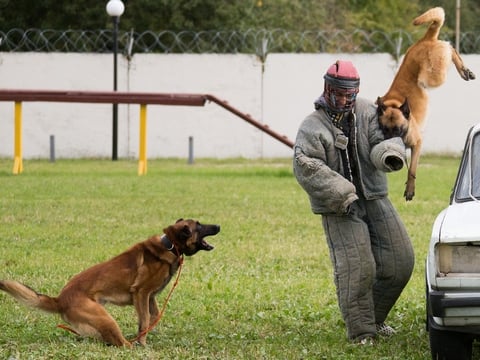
52 148
115 106
142 152
18 147
190 149
457 27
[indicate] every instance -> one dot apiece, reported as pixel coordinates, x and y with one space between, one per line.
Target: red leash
65 327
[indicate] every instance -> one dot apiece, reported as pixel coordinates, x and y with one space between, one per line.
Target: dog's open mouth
212 230
206 246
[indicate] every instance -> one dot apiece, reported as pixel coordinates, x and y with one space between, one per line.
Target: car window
469 181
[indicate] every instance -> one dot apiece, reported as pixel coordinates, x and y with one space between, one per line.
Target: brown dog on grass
131 278
403 108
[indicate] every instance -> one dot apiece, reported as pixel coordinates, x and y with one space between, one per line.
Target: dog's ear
405 109
181 219
380 106
185 232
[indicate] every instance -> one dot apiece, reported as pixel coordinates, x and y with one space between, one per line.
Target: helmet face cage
333 94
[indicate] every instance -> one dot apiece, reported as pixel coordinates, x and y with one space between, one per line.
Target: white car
453 263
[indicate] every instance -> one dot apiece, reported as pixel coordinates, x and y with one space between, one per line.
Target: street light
115 9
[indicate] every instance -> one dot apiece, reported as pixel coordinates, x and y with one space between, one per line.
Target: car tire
450 345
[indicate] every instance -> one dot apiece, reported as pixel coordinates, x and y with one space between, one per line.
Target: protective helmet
341 80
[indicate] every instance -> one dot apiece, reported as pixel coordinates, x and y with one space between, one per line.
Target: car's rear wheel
450 345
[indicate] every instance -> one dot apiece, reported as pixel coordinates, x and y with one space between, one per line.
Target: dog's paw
409 188
468 74
408 195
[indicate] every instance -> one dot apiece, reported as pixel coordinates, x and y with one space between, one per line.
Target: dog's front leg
141 301
412 171
154 311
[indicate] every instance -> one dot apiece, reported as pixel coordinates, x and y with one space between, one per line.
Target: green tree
52 14
383 15
156 15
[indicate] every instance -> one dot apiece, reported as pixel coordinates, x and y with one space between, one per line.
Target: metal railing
259 42
142 99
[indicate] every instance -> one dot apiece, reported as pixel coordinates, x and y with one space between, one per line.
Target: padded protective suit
369 247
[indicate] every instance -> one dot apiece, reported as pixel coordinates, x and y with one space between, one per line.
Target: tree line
241 15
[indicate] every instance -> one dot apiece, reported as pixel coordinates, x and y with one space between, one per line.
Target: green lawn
265 292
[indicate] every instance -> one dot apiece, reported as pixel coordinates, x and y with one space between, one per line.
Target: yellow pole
17 157
142 157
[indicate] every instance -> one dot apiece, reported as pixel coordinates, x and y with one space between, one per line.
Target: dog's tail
29 297
434 16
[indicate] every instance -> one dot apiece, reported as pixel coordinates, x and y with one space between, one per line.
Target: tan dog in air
402 110
134 277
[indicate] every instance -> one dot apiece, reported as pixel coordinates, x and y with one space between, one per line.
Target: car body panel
461 223
453 261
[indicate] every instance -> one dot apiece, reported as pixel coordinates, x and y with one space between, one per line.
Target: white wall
280 95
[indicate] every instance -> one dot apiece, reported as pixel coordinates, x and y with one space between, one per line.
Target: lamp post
115 9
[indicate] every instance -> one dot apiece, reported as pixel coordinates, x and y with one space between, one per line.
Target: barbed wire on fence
259 42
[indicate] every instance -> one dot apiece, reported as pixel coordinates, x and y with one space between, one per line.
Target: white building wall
279 94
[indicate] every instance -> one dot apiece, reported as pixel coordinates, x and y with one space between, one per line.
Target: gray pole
115 106
190 149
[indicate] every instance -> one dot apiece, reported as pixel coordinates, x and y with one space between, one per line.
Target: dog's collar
167 243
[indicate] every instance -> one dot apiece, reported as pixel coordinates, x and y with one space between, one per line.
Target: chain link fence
259 42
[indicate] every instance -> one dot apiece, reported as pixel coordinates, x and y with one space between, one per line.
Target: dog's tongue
206 245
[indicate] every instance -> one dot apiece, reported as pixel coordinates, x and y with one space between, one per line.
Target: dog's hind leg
89 318
465 73
111 333
433 67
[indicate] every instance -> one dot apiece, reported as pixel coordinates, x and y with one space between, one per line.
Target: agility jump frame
143 99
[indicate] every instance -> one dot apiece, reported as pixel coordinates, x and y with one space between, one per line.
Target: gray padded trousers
373 260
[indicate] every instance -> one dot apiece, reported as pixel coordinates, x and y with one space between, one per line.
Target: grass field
265 292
